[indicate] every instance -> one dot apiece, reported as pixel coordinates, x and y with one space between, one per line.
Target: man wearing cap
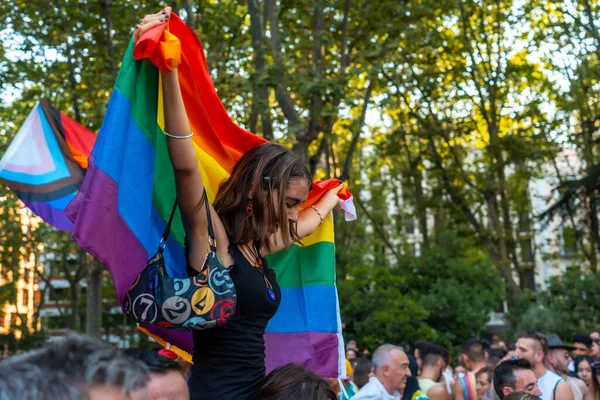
558 360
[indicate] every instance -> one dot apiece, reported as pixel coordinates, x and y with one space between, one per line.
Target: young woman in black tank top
255 213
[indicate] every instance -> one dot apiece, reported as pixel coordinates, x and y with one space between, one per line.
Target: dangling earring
249 209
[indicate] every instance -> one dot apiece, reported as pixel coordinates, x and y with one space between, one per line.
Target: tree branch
378 228
110 48
451 190
260 100
191 19
316 104
474 71
281 92
343 56
571 214
356 135
314 159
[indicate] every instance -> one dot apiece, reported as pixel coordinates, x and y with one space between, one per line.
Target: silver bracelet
318 212
179 137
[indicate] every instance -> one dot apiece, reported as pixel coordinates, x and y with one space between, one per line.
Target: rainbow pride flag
46 161
129 190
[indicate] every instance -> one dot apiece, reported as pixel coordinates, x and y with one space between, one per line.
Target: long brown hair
294 382
259 172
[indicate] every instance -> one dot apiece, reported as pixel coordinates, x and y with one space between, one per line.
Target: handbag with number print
199 302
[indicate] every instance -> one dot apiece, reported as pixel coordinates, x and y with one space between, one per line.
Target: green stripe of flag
139 81
304 266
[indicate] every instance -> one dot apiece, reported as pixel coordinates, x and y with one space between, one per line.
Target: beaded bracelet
318 212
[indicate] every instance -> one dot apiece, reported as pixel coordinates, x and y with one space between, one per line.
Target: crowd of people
534 367
78 367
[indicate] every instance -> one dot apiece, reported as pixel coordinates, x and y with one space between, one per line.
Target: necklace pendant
271 294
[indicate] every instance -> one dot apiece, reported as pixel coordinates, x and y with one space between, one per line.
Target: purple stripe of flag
101 230
51 215
316 351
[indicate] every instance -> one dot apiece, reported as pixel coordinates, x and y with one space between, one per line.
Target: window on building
501 308
568 242
410 225
57 294
27 275
25 298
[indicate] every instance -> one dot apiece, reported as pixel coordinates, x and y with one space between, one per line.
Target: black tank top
229 361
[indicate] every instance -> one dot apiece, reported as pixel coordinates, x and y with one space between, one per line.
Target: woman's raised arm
188 180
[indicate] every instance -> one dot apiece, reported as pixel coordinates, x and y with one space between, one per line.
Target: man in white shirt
533 347
390 365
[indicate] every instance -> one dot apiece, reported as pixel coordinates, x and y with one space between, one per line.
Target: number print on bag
202 278
181 286
203 300
176 309
220 281
144 308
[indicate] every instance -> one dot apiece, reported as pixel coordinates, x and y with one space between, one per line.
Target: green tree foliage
376 311
439 114
568 306
568 36
458 286
445 295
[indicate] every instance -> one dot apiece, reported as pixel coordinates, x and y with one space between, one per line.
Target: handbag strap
163 240
211 233
212 242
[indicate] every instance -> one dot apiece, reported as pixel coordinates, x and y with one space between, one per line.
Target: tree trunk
260 99
316 103
503 266
282 95
300 147
191 18
525 235
527 270
589 129
593 217
74 289
94 299
71 76
75 317
105 6
421 207
357 131
500 253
